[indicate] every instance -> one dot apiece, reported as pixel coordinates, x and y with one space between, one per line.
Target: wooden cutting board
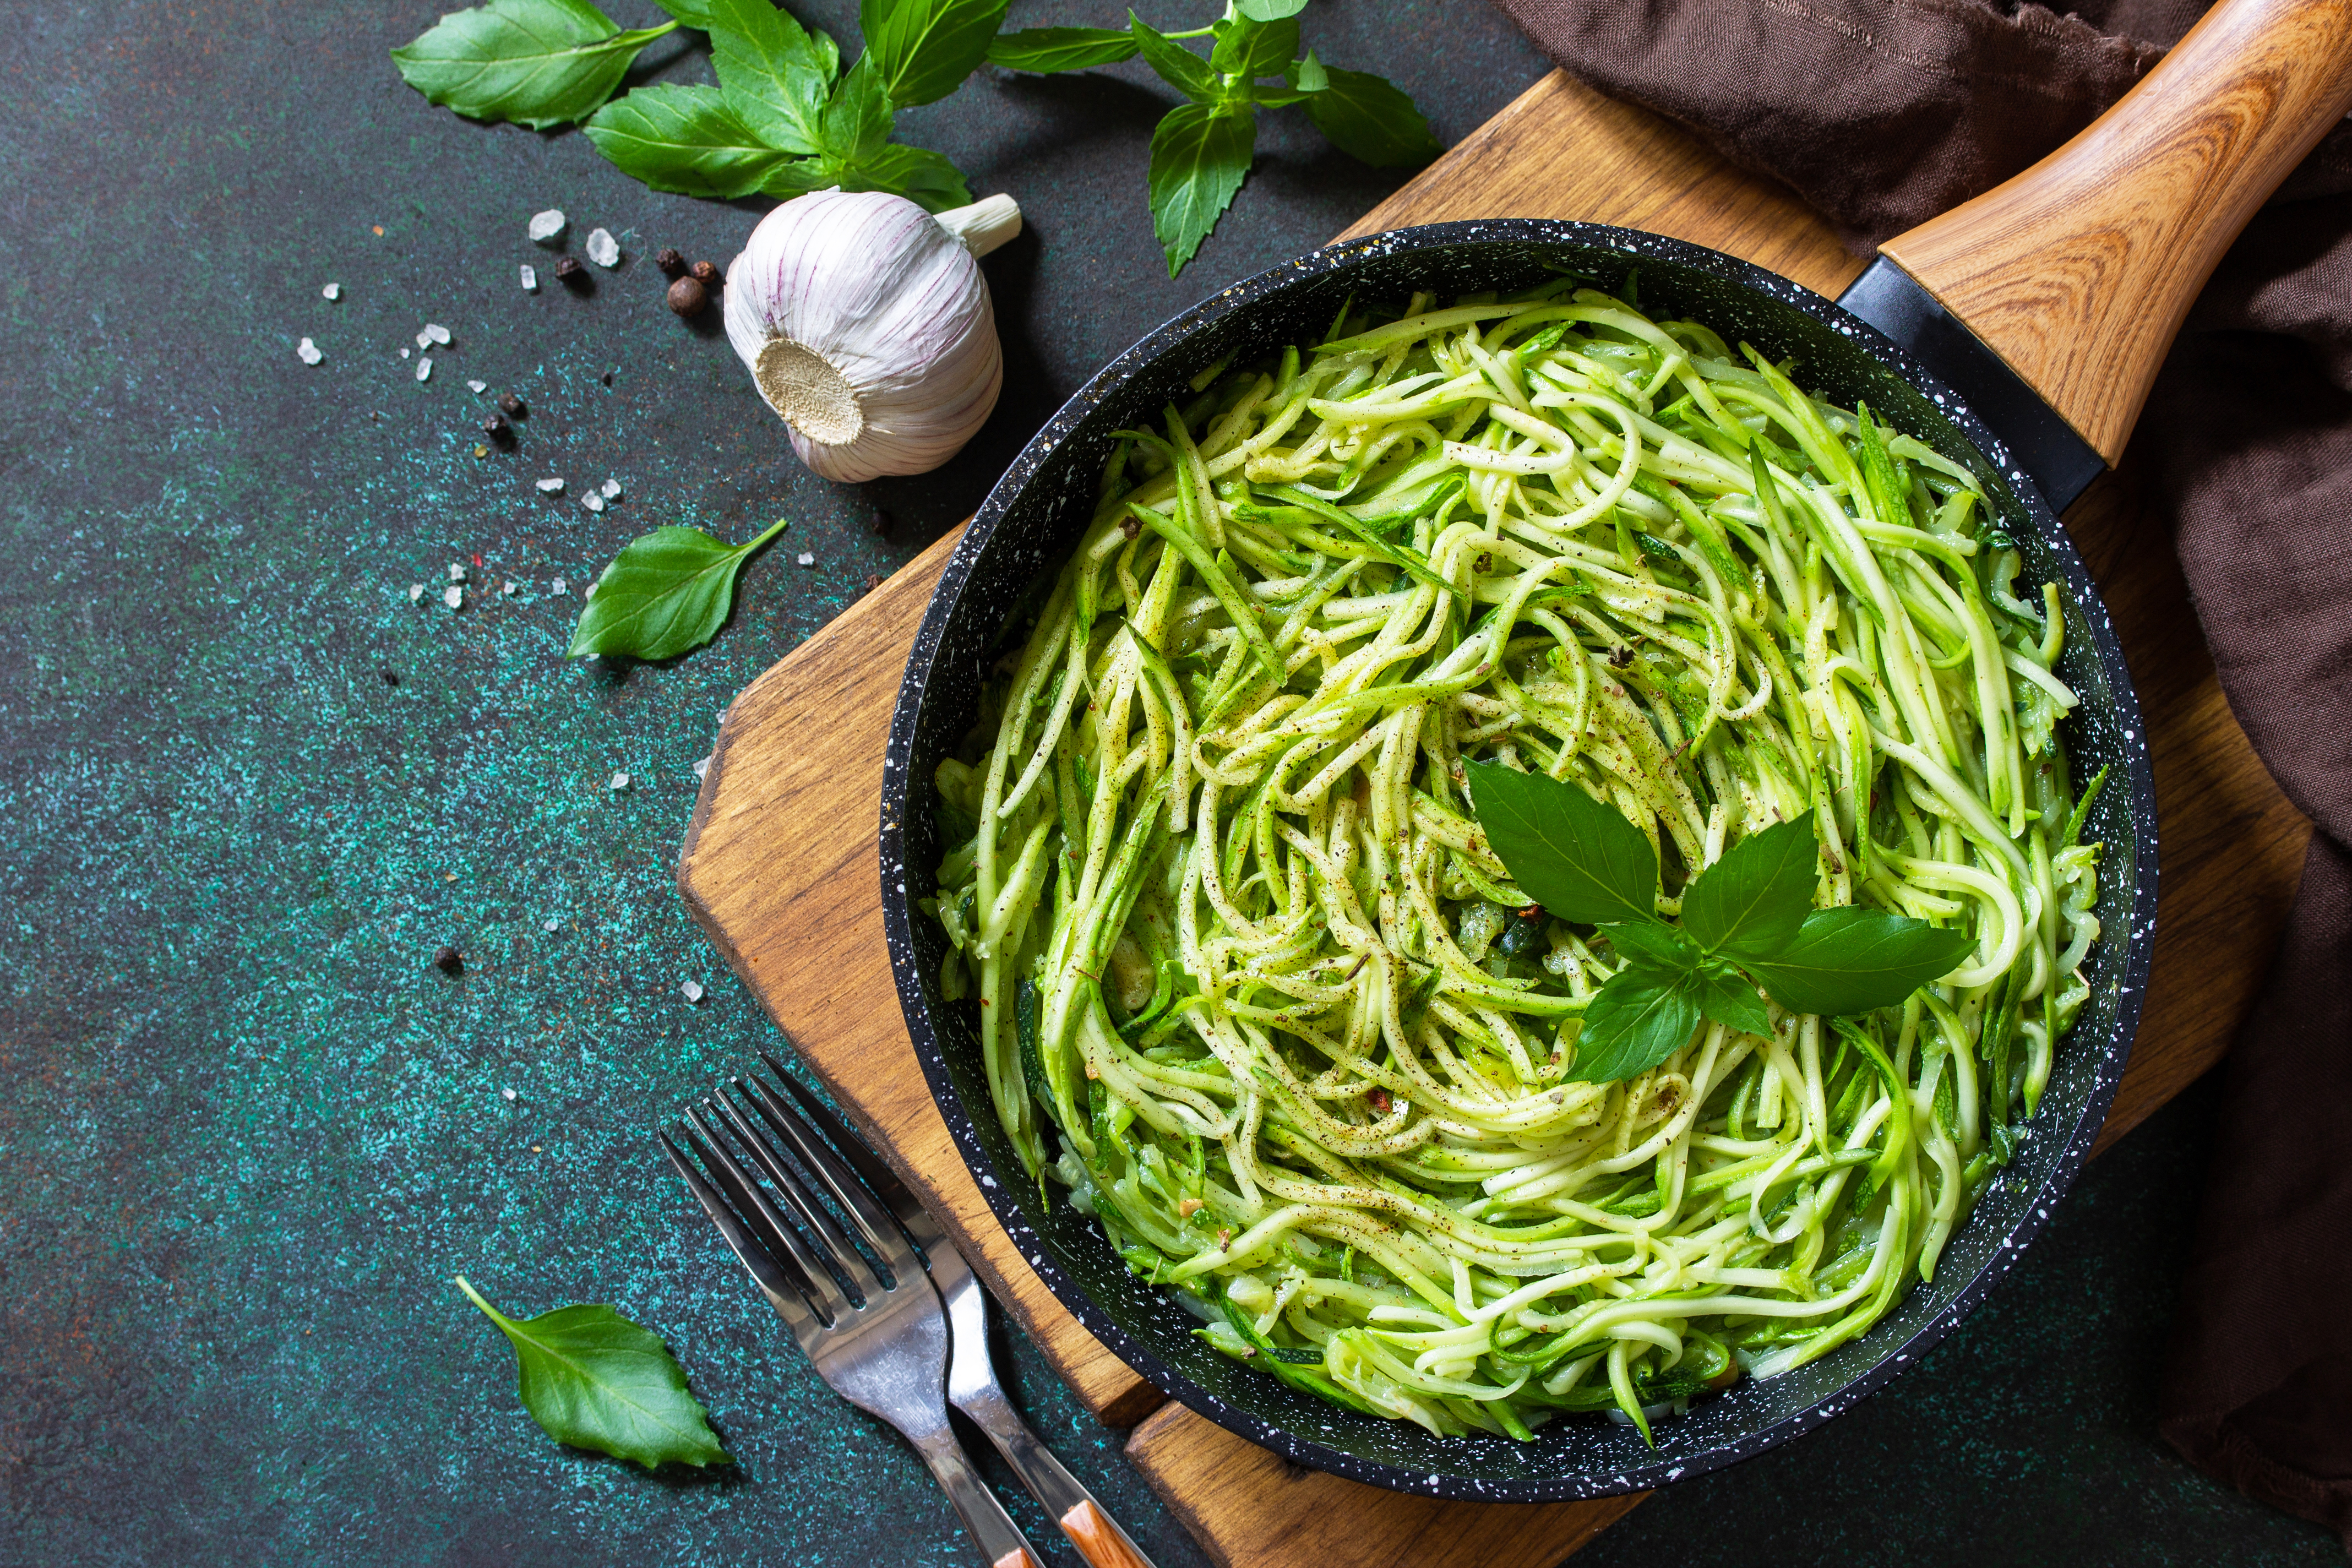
780 863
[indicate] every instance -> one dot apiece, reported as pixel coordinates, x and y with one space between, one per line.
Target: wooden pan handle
2079 272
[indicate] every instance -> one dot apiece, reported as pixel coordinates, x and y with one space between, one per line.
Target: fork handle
1087 1523
1000 1540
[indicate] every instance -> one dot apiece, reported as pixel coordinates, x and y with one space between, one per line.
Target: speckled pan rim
2113 1052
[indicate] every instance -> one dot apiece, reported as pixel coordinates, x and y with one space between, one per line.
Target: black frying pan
1940 386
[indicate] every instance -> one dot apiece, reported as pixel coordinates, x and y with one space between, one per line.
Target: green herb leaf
1750 903
1200 156
1367 118
1179 67
1642 1016
664 593
1270 10
858 121
924 48
1307 75
593 1379
917 174
1047 49
685 139
776 73
1730 998
1654 942
538 63
1247 48
1853 960
1576 855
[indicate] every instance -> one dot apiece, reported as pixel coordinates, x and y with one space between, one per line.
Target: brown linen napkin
1884 112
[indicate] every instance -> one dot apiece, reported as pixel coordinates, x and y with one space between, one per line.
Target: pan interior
1036 514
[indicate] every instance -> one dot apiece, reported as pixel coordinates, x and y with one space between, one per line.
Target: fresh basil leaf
1576 855
685 139
776 73
1367 118
1270 10
1654 942
538 63
1751 902
593 1379
1248 49
925 48
857 118
1730 998
1200 156
1307 75
1853 960
917 174
1179 67
1638 1019
1061 49
665 592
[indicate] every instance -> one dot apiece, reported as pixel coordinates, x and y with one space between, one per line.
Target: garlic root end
811 396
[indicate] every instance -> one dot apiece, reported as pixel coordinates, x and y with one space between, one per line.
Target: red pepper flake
1380 1102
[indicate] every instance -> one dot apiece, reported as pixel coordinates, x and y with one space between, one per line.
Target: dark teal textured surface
247 1133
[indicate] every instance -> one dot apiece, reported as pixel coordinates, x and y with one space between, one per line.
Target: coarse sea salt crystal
508 1092
510 589
701 767
331 291
457 570
588 593
602 248
435 333
453 596
307 352
805 559
550 486
425 340
692 990
592 501
530 277
404 354
425 367
553 923
612 490
559 587
546 225
620 781
477 387
417 593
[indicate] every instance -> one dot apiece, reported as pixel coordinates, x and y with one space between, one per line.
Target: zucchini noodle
1251 985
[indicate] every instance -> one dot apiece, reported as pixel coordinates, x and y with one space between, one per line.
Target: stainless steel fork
972 1377
886 1349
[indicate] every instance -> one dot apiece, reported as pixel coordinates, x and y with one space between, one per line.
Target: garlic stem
985 225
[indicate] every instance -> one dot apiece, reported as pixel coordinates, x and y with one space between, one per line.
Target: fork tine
840 1180
844 1256
877 1176
801 1197
772 1229
783 1284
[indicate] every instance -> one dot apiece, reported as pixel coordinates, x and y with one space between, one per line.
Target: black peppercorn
873 581
510 405
495 426
569 268
449 962
709 277
686 297
391 676
669 261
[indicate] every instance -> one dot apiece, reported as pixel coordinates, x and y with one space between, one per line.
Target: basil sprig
1204 148
785 118
593 1379
1747 924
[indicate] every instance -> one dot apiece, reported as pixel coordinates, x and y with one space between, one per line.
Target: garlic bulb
867 325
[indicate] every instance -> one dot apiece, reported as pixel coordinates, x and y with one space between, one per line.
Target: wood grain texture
2080 270
1253 1508
796 911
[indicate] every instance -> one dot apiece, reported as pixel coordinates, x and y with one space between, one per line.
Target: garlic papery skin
867 325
